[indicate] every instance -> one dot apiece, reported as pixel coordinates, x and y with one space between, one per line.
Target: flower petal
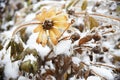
41 16
53 37
38 29
60 18
39 38
51 13
56 32
62 25
44 39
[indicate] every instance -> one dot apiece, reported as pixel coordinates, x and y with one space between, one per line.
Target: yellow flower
52 24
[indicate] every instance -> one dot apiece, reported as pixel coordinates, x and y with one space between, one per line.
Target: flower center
47 24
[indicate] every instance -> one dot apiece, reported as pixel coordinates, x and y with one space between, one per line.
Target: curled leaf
16 50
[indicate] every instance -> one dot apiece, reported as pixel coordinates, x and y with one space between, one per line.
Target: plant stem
64 30
103 65
23 26
96 14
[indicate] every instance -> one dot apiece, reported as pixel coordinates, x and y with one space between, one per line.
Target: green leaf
29 67
16 50
35 67
26 66
84 5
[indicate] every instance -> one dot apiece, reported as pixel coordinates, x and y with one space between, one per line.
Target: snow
5 35
30 57
42 70
49 63
73 78
116 53
63 47
30 17
11 70
42 51
35 6
2 5
93 78
86 59
103 72
76 60
113 6
30 28
23 78
7 24
6 58
107 44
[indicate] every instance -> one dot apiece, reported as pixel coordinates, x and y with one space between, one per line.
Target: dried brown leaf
116 58
75 37
1 47
86 74
79 50
85 39
96 49
75 68
96 37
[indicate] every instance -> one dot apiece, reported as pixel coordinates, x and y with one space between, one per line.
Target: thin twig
23 26
96 14
85 64
103 65
106 16
64 30
46 57
65 38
